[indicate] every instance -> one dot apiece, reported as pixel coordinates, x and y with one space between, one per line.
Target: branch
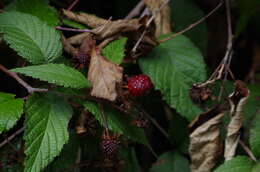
22 82
137 9
72 29
194 24
247 150
7 140
73 5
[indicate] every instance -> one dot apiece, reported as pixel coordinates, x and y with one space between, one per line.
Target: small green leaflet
46 122
174 66
115 50
11 110
38 8
254 138
119 123
32 38
237 164
58 74
171 162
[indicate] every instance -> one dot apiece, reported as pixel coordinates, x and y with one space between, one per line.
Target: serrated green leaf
30 37
171 162
67 157
58 74
174 66
193 13
115 50
38 8
46 123
237 164
254 138
131 162
11 110
118 123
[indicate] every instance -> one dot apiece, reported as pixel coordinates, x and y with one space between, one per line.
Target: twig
73 4
136 10
7 140
194 24
72 29
147 25
247 150
22 82
228 55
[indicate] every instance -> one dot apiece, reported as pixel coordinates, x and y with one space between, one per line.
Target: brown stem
247 150
7 140
193 25
73 5
72 29
22 82
136 10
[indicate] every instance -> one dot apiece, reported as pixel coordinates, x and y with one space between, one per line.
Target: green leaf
67 157
73 24
174 66
58 74
256 168
247 9
38 8
171 162
237 164
46 132
254 138
33 39
117 122
115 50
193 13
11 110
252 105
131 162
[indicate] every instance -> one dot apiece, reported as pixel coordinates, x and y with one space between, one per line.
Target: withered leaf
162 14
237 100
84 18
205 143
117 27
104 75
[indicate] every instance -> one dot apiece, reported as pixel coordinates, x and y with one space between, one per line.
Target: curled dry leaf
162 16
104 75
237 100
84 18
205 144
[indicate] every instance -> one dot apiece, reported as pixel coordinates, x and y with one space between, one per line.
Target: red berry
139 85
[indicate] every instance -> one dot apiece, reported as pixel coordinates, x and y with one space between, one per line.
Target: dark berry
110 145
139 85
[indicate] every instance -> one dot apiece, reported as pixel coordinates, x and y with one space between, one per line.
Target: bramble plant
125 95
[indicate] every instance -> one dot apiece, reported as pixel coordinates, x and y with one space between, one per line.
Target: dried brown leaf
78 39
104 76
205 144
84 18
237 100
68 47
117 27
162 16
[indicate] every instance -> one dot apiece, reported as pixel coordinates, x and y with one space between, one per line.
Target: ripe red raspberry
139 85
